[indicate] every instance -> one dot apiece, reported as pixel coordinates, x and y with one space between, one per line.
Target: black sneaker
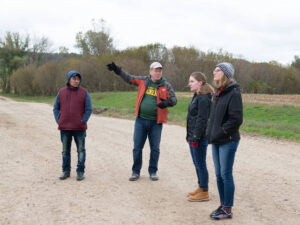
221 214
80 176
134 177
64 175
154 177
216 211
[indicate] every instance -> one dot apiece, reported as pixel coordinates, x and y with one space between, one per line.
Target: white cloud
258 30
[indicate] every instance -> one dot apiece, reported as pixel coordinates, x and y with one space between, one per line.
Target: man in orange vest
155 94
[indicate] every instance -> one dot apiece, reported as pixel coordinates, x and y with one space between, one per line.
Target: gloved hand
113 67
195 144
162 104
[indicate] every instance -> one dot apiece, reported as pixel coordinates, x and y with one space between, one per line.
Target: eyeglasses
75 78
217 70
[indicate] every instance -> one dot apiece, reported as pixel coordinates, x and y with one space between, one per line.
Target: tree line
28 68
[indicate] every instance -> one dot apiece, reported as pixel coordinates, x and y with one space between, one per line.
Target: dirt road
267 176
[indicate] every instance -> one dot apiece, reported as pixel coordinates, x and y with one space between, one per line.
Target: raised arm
131 79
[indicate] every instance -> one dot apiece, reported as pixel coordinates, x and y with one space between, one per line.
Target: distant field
264 99
291 100
276 116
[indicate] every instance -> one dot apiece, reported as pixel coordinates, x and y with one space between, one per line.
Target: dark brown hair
205 87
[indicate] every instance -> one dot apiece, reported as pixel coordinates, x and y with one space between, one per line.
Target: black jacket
226 116
198 113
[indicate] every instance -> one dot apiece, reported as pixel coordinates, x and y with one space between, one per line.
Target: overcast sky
256 30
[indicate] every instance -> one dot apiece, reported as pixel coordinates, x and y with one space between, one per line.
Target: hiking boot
221 214
199 189
80 176
154 177
216 211
199 197
134 177
64 175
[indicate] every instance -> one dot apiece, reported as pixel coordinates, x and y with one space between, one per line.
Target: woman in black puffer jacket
226 116
198 113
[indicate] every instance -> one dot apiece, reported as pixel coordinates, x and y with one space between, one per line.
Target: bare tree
95 42
39 50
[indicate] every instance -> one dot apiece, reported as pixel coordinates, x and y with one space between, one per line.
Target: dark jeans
223 156
66 139
142 129
199 159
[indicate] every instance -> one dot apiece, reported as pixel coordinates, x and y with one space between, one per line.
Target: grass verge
282 122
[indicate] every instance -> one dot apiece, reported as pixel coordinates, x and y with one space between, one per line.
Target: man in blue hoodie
72 109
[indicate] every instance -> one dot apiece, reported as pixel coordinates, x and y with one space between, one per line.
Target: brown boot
199 197
198 190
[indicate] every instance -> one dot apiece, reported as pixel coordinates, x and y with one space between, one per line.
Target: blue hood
72 73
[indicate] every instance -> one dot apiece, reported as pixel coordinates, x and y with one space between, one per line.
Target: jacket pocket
163 93
218 134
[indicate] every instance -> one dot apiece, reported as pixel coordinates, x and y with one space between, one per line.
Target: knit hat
227 68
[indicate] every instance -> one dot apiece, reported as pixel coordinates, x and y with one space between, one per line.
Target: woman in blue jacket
198 113
226 116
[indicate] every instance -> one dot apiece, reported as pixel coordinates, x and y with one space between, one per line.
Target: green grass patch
117 100
41 99
273 121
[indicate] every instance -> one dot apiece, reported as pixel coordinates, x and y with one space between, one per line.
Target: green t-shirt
148 108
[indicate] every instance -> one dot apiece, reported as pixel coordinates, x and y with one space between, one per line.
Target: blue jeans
142 129
223 157
199 159
66 139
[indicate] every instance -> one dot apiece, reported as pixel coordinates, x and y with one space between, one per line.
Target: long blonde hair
205 87
223 83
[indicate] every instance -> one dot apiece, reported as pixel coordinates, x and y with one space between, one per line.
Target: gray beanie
227 68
